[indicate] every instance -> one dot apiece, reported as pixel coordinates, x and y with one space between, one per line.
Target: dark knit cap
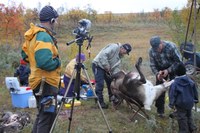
180 69
155 42
47 13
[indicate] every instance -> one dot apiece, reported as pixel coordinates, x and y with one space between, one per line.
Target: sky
115 6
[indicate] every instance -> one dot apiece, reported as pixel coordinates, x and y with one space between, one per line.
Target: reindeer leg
137 65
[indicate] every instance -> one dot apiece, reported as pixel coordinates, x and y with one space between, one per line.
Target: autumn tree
179 20
11 24
105 18
156 15
166 13
92 14
75 15
131 17
195 16
30 16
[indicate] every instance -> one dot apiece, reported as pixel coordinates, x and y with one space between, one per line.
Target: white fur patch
150 94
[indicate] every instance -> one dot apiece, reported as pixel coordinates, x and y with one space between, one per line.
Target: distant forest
15 20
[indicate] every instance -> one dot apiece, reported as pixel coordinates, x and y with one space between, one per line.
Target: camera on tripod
82 32
83 29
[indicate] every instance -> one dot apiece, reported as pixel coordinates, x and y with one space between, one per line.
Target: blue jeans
100 76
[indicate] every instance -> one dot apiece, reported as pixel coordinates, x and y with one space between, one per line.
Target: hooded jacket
183 93
41 52
22 72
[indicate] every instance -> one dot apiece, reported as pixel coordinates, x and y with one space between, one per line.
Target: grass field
87 118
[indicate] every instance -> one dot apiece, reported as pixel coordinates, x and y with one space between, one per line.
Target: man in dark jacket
182 96
163 57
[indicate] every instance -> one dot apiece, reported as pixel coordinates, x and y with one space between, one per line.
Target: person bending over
163 57
107 62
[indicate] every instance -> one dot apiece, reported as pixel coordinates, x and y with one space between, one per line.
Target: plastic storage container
32 102
89 92
20 97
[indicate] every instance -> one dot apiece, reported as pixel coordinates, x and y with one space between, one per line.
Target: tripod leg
104 117
62 102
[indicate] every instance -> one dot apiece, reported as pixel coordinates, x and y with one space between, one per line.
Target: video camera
83 29
82 32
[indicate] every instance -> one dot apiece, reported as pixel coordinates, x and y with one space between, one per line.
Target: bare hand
164 73
160 76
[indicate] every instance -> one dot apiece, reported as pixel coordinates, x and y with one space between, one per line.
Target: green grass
87 118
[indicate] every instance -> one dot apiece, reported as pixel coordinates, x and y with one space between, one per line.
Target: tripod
77 71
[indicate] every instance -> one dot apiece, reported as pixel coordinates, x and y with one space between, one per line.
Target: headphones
53 20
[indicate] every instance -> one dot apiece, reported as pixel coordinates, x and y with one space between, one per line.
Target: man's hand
162 74
159 77
165 73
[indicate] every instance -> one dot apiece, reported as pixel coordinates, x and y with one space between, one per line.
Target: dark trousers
160 102
70 92
44 120
100 75
71 88
185 121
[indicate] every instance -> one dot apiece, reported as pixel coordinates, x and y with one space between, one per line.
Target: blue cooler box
20 97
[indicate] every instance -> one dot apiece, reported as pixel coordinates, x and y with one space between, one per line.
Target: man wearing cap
68 75
108 62
163 58
40 50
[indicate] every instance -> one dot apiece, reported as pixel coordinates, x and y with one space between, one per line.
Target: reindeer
135 89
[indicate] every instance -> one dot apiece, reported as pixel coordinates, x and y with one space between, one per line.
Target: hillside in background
15 21
87 117
132 28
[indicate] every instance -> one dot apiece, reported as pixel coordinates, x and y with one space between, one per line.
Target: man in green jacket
40 50
108 62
